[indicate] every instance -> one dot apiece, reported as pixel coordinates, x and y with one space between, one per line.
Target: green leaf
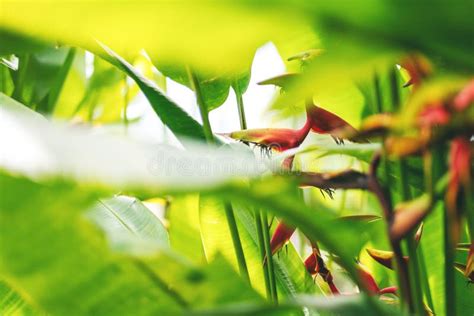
204 35
61 261
350 305
16 44
68 265
185 236
204 286
12 303
291 274
126 218
214 88
178 121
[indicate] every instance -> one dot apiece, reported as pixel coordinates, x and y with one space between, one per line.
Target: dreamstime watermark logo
167 163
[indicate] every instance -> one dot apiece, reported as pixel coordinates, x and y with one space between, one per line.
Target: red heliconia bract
281 236
459 177
279 139
368 280
465 97
388 290
434 114
418 67
325 122
315 265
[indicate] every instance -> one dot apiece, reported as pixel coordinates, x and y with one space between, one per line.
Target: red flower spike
281 236
310 264
325 122
434 114
459 175
418 67
465 97
315 265
279 139
388 290
368 280
408 215
383 257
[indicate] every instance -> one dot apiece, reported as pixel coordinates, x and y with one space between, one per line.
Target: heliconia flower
433 114
388 290
279 139
321 120
367 279
418 68
408 215
465 97
315 265
459 176
402 146
325 122
281 236
383 257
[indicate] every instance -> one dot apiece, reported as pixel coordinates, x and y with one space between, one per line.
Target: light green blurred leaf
184 228
61 260
127 219
12 303
350 305
204 34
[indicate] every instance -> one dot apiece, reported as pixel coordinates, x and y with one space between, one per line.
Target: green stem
239 251
424 277
268 254
240 107
413 263
438 169
258 216
399 264
126 100
261 245
202 107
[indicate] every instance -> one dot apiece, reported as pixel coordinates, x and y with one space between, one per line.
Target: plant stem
239 251
413 263
261 245
202 107
258 216
268 254
438 169
240 107
424 278
386 204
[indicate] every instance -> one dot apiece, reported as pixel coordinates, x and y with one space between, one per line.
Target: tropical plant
365 208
